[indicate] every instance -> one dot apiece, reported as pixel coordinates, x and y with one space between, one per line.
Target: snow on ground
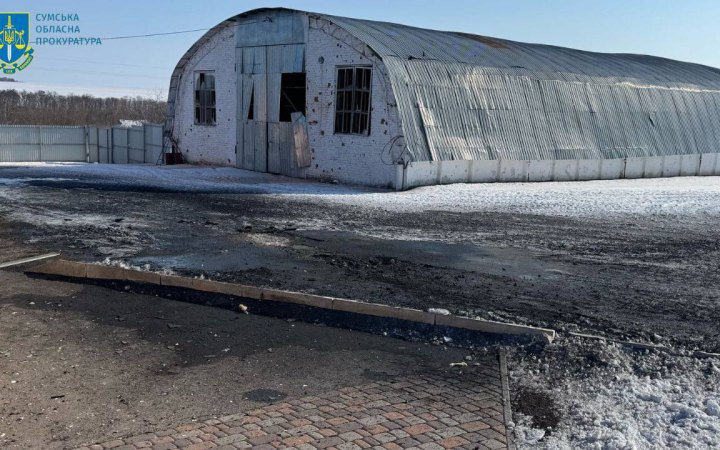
183 178
662 197
697 196
145 267
606 396
610 397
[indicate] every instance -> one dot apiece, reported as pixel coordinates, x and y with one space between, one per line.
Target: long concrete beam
81 270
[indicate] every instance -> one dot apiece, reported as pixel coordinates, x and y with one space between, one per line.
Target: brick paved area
457 408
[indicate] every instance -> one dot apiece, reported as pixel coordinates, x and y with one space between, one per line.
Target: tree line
50 108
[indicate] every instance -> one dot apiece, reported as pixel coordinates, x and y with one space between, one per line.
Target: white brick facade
202 143
346 158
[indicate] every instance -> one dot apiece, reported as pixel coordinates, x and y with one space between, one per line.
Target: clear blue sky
687 30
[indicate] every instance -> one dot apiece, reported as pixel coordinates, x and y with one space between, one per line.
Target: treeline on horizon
50 108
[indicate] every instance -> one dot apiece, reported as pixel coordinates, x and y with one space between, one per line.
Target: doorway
271 87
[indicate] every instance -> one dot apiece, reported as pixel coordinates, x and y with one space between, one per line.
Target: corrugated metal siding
284 27
20 143
471 97
285 58
33 143
104 146
463 96
120 141
153 143
136 145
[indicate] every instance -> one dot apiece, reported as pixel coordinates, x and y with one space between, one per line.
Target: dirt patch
264 395
538 405
80 363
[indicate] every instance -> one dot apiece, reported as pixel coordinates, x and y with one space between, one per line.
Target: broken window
292 95
352 102
251 109
205 98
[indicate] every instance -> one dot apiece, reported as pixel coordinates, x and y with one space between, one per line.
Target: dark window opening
251 109
205 98
353 99
292 95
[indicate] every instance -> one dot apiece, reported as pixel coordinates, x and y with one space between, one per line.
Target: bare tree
49 108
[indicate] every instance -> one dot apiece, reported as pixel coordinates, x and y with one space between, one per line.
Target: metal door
264 143
252 109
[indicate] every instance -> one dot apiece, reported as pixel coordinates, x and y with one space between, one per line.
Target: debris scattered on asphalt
441 311
459 364
268 230
243 309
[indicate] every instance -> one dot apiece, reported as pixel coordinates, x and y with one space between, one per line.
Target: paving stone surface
449 409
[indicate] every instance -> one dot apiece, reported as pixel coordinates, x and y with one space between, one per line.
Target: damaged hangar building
318 96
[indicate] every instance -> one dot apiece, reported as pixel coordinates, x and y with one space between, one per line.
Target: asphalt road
647 274
653 279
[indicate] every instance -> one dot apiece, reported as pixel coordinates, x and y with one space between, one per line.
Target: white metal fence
33 143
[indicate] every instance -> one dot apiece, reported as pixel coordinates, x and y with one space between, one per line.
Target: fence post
86 133
127 145
39 143
111 147
145 146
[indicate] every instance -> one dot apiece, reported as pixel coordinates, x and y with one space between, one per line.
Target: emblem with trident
12 37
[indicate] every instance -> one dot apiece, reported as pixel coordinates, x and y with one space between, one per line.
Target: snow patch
610 397
141 268
267 240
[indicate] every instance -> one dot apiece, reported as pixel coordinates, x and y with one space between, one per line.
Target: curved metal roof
463 96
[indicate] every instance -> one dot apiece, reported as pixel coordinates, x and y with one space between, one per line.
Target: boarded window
205 98
292 95
353 99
